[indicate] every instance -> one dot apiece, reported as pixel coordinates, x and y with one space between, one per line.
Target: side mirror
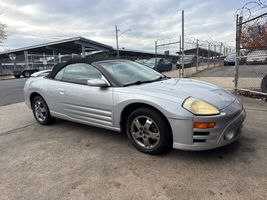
98 82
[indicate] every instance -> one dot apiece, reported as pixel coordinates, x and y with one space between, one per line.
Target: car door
77 101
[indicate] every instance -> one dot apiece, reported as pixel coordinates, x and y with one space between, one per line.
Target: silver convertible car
155 111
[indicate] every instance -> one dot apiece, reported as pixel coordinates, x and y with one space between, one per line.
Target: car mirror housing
98 82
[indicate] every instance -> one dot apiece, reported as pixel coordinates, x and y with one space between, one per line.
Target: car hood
185 62
256 57
179 89
151 65
229 59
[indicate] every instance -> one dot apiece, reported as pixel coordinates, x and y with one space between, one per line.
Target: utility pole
215 56
197 54
156 52
117 41
237 43
182 73
209 56
220 57
180 44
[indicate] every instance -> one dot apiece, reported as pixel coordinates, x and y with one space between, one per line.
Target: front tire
41 111
149 131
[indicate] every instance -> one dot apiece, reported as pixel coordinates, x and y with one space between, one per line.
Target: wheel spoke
146 142
41 116
137 124
37 114
148 124
42 110
137 135
153 135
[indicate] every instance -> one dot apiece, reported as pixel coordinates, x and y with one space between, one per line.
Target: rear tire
17 76
26 74
41 111
149 131
264 84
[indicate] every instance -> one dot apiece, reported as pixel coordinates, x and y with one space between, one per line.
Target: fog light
230 135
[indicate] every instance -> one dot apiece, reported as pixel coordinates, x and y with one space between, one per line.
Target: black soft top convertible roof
59 66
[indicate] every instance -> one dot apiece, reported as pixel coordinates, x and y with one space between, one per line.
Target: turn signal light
203 125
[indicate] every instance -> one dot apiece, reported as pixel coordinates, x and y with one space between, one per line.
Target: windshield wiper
136 83
141 82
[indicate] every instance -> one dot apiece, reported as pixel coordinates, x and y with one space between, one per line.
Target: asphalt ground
249 71
73 161
11 91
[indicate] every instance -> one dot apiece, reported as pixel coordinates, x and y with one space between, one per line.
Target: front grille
201 133
200 137
199 140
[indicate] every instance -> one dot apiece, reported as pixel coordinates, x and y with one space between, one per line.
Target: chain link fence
198 54
31 61
251 46
209 53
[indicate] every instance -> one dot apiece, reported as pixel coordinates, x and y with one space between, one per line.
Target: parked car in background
25 73
189 61
257 57
229 59
155 111
141 61
162 65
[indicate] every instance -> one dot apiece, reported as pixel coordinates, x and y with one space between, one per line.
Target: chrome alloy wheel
40 111
145 132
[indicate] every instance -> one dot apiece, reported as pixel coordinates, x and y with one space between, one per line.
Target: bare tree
2 32
254 38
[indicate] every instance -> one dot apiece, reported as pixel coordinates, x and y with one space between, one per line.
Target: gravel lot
73 161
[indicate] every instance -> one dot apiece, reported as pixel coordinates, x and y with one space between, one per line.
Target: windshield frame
117 83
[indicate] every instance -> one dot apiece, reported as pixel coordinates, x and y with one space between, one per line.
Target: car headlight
199 107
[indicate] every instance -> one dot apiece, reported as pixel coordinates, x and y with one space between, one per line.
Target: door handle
61 91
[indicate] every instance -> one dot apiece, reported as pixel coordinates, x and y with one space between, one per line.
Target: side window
59 75
80 73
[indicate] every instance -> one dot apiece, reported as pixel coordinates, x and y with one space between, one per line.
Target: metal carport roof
75 45
202 52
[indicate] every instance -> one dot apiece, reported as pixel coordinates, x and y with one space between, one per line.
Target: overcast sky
33 22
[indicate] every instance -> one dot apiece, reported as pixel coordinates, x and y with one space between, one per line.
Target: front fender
169 109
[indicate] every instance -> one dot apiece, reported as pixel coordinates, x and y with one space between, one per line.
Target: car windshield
131 73
153 60
231 55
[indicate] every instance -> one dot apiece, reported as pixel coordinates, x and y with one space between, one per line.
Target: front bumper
228 122
229 62
256 61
